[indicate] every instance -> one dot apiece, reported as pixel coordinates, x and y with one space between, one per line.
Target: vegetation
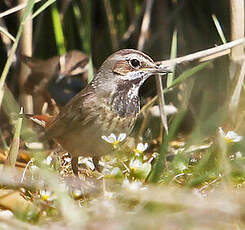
182 168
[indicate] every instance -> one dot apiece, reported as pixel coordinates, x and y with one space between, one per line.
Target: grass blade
219 29
58 31
173 55
4 74
42 8
159 166
188 74
4 31
14 149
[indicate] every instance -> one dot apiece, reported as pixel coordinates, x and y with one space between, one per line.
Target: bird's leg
96 161
74 164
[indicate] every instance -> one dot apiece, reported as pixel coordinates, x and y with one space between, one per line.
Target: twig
143 35
237 92
111 24
237 31
237 26
26 49
145 24
204 55
15 9
6 33
132 26
201 56
161 102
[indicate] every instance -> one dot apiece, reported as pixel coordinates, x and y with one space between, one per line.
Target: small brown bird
109 104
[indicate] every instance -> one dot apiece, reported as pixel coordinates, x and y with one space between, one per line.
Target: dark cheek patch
122 68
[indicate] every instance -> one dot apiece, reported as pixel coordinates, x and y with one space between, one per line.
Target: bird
59 77
109 104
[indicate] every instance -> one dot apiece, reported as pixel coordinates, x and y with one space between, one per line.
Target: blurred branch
58 30
14 9
7 34
219 29
237 26
14 149
161 102
145 24
141 42
42 8
233 105
205 55
26 49
237 31
14 47
132 27
173 54
201 56
111 23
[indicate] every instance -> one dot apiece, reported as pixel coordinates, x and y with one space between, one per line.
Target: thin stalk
205 55
5 32
42 8
4 74
173 55
237 26
161 101
145 24
14 149
219 29
111 23
15 9
58 31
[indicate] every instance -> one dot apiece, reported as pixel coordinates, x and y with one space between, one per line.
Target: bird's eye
135 63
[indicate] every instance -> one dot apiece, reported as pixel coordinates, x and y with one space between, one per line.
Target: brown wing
75 114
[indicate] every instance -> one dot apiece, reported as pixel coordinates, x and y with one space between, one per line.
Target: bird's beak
159 69
162 70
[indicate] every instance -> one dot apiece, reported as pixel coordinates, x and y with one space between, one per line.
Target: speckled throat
125 100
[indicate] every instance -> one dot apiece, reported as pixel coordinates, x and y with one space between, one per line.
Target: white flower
77 193
133 186
140 148
238 154
46 195
135 164
115 171
34 145
181 166
112 139
139 169
6 214
48 160
230 136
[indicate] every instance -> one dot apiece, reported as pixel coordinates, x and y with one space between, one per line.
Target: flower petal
105 138
121 137
233 136
112 138
221 132
141 147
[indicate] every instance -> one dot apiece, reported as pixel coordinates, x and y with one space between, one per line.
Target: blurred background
98 28
194 176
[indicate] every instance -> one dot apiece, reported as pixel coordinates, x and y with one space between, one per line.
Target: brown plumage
109 104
